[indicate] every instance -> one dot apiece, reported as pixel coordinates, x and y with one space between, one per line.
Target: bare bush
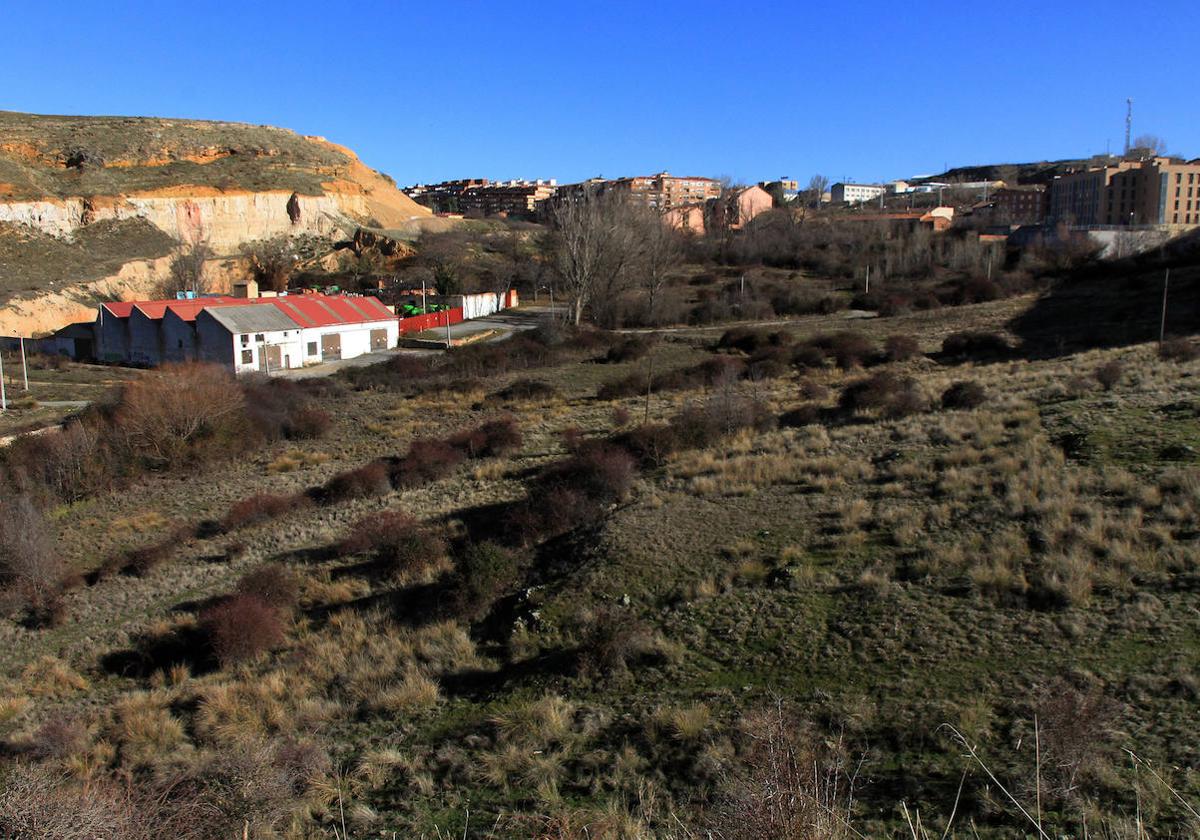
166 414
885 393
30 568
241 627
274 584
965 394
898 348
1179 350
1109 374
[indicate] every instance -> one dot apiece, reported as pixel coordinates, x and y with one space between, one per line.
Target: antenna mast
1128 122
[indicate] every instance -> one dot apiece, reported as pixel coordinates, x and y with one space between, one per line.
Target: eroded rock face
222 183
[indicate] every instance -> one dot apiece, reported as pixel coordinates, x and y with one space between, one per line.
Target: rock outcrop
91 206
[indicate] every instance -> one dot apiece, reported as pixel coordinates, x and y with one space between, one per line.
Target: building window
181 344
312 348
245 340
247 357
259 337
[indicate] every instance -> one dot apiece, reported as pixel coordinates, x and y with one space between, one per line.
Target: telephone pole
1162 324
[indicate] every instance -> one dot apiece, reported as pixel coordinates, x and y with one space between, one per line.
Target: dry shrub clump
971 344
966 394
371 479
883 393
261 507
241 627
1109 374
274 584
1179 350
898 348
32 573
397 543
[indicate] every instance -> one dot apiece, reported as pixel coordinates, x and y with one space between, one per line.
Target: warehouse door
331 347
378 339
269 358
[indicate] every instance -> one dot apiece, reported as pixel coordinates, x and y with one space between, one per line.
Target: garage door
378 339
269 358
331 347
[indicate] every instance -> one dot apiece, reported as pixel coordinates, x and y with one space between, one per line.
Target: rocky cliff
91 207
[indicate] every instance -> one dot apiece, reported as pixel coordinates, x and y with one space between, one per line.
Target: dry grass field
821 600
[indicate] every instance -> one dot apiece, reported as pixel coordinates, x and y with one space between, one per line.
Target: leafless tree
272 262
1149 144
187 268
659 250
817 185
162 413
31 571
593 247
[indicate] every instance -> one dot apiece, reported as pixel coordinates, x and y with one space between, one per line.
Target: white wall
356 338
291 350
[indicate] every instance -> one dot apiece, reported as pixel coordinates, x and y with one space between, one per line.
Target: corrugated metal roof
302 311
251 318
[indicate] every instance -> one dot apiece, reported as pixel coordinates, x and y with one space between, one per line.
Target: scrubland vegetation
892 577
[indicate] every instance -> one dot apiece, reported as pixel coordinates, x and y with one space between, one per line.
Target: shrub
751 341
620 416
847 348
143 560
493 438
1179 350
486 572
805 356
611 640
371 479
769 363
971 344
1109 374
241 627
395 541
427 460
30 568
649 444
898 348
966 394
802 416
525 390
274 584
261 507
810 390
602 473
886 393
629 350
307 423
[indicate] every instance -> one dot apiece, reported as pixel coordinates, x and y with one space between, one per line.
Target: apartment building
664 190
443 197
507 198
1027 205
1154 191
854 193
1161 191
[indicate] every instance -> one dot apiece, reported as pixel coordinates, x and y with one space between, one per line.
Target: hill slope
91 206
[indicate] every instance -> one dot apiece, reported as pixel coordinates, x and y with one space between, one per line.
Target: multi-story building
508 198
1081 198
854 193
444 197
1161 191
664 190
1026 205
738 207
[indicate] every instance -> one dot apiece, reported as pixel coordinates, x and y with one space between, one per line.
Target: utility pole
867 285
424 308
447 311
3 397
1162 324
24 367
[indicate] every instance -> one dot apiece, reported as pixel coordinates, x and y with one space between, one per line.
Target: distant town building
507 198
785 187
841 193
1025 205
1155 191
444 197
736 209
664 190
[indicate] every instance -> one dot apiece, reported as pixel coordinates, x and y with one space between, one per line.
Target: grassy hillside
648 633
57 156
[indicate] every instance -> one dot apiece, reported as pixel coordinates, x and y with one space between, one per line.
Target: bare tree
659 249
817 185
593 246
186 270
1150 145
272 262
30 570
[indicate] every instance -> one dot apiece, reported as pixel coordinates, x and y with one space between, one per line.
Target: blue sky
442 89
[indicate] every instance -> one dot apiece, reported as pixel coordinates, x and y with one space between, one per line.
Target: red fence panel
432 320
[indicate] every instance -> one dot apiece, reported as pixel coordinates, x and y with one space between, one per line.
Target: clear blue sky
564 89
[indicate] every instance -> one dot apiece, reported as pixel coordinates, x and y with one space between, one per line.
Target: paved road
504 323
